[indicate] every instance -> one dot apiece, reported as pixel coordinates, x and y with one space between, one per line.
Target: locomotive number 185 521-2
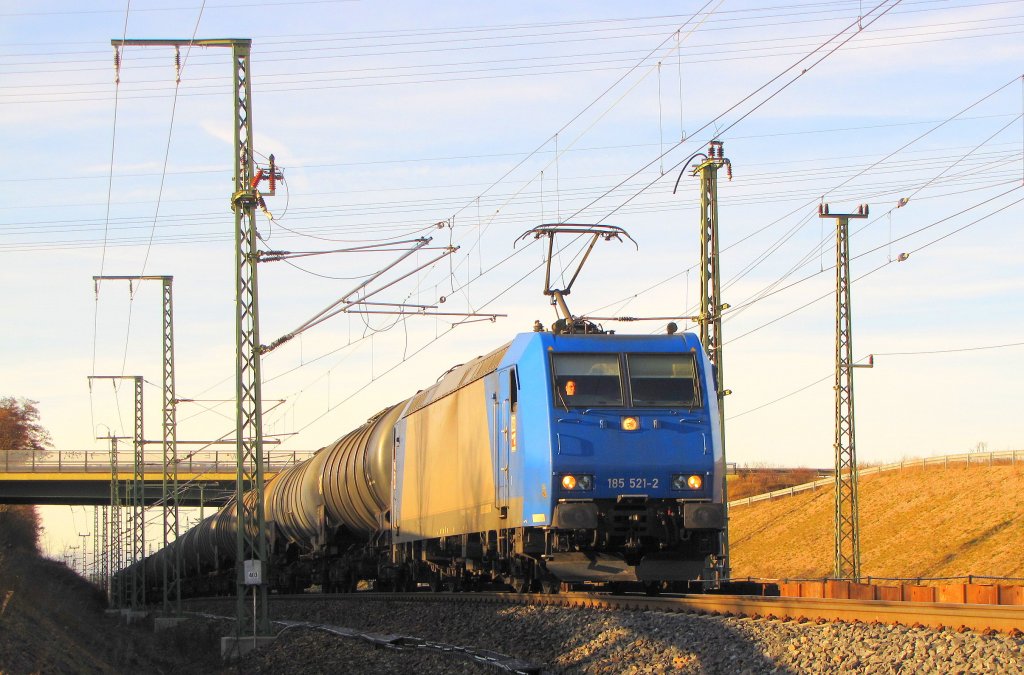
633 483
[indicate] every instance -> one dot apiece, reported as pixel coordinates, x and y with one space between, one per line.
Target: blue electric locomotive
567 456
562 459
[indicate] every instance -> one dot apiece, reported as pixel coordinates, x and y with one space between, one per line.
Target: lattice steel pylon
103 573
710 318
251 529
252 534
136 592
116 592
171 568
94 577
847 520
138 529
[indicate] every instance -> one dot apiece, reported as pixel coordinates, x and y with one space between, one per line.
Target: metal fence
98 461
970 459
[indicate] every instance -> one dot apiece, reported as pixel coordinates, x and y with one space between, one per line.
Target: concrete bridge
82 477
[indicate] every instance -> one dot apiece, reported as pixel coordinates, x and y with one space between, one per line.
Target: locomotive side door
505 436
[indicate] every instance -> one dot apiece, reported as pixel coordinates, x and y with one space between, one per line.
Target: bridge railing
98 461
968 458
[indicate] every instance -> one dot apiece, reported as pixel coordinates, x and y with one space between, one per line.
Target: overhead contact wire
735 106
106 219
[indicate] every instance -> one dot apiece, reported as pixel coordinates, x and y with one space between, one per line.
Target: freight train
565 457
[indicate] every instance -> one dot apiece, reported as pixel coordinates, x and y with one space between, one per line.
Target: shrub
19 528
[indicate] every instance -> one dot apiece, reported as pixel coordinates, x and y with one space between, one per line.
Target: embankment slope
917 522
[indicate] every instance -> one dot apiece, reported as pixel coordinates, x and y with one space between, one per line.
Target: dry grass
54 623
760 481
920 522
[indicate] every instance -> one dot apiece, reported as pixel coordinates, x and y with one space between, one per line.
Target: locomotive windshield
583 380
655 380
661 380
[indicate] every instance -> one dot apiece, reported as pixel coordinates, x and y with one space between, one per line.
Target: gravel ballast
596 641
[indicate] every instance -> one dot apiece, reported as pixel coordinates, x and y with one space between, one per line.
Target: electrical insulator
867 209
273 176
257 178
821 209
826 209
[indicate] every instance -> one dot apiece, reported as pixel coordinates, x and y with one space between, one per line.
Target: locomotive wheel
652 588
617 588
550 586
519 584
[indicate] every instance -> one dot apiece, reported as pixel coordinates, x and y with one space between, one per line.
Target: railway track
586 632
981 618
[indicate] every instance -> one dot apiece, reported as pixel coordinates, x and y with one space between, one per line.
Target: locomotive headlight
577 482
682 481
630 423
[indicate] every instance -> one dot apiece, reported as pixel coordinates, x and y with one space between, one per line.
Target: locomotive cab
612 443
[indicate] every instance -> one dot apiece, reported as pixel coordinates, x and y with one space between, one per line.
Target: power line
421 349
806 13
870 272
876 354
950 351
713 53
401 227
106 219
408 160
874 165
734 107
390 77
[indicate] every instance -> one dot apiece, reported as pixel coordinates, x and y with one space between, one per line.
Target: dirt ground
54 622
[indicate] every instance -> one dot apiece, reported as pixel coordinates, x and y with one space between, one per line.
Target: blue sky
492 118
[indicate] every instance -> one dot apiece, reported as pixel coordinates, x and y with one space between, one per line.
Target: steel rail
485 657
976 617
